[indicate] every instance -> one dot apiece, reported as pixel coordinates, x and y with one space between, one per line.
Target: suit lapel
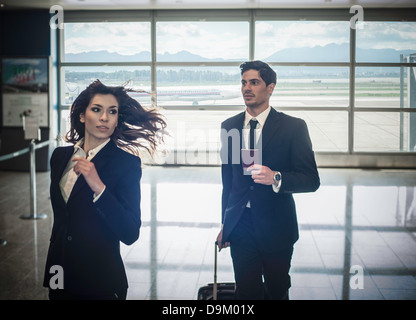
270 127
62 162
59 165
238 124
104 156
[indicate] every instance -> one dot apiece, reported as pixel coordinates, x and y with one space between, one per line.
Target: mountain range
328 53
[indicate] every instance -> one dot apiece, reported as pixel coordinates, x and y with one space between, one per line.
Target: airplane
195 95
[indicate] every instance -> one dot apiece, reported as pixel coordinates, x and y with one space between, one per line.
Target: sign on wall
25 90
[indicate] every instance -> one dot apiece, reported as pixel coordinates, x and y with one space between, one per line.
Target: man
258 211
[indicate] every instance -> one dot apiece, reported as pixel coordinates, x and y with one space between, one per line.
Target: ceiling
200 4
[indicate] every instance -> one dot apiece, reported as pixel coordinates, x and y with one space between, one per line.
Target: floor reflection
374 239
357 236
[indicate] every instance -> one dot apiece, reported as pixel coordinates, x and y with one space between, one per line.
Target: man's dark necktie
253 125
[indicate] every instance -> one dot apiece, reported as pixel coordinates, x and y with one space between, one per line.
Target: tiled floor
357 236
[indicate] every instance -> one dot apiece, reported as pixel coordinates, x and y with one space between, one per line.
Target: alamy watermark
57 280
357 278
358 16
57 20
192 146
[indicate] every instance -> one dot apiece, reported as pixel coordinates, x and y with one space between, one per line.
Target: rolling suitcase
217 291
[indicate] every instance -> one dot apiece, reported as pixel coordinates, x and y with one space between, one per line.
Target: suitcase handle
214 289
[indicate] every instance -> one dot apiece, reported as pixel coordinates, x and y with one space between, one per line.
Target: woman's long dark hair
137 127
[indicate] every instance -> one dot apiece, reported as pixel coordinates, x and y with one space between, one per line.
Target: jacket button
252 188
69 238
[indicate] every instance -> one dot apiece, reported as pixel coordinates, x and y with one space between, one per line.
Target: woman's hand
87 169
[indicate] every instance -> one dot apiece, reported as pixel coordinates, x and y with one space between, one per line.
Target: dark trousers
61 294
259 275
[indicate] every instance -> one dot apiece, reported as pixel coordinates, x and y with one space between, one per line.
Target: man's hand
219 241
261 174
87 169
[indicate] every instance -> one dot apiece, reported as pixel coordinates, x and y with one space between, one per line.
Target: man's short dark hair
266 72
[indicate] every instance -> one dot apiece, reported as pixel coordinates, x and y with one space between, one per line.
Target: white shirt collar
261 118
78 148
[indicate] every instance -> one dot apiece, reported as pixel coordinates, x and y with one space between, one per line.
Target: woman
95 193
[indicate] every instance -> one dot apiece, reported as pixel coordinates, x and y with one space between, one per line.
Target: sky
227 40
230 40
122 37
272 36
380 35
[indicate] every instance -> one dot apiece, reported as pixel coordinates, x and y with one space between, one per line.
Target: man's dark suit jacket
286 147
86 236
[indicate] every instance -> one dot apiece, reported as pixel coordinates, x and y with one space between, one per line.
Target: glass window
385 41
384 87
107 42
328 130
201 91
385 131
302 41
78 78
202 41
194 136
145 201
65 122
311 87
193 86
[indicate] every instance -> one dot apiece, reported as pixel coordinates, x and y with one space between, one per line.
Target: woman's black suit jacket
285 147
86 236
